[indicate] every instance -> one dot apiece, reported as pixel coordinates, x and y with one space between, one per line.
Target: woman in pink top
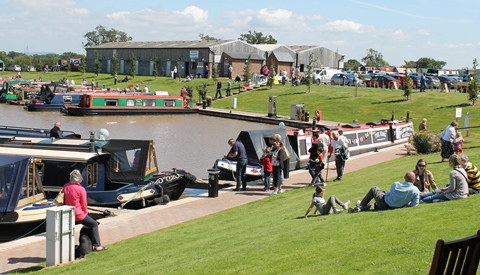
76 196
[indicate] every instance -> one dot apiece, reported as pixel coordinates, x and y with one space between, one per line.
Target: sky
399 30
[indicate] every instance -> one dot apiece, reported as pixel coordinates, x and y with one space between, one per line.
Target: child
457 143
319 165
323 207
266 160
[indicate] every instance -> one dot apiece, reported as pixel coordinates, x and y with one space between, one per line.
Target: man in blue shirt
401 194
239 153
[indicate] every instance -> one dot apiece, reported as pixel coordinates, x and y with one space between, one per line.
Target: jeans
330 204
377 194
312 168
433 197
266 179
93 225
241 173
472 191
340 165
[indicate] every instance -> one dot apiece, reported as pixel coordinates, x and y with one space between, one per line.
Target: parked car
29 69
416 81
383 81
444 79
432 81
15 68
401 78
343 79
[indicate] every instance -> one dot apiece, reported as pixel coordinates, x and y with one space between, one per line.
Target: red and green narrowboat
132 103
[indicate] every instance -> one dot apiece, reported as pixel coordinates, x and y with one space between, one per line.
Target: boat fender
318 115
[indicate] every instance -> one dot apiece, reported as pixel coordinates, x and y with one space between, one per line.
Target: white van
324 75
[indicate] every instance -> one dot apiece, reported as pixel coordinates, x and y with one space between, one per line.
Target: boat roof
72 156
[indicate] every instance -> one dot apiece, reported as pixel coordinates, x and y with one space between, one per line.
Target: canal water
189 142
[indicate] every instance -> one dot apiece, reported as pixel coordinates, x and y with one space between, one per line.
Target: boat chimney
91 148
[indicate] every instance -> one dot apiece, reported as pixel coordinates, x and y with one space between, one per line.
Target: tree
206 37
311 60
155 69
374 59
473 86
247 70
353 64
97 66
426 63
101 35
257 38
115 64
407 86
214 73
83 66
133 66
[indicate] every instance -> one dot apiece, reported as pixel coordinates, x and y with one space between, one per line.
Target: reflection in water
190 142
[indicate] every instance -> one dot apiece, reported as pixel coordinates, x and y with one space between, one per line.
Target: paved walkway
27 252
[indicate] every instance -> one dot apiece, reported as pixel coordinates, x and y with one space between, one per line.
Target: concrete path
30 251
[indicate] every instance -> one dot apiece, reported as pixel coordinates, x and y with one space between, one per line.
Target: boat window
149 102
169 103
6 181
111 102
302 146
130 102
67 99
60 89
92 175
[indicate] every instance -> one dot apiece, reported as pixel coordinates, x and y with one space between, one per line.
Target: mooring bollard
213 182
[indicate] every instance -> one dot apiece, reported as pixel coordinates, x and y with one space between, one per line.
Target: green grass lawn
271 237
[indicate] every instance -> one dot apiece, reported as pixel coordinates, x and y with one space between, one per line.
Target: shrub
425 142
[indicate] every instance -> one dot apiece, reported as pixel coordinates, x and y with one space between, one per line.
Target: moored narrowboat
130 103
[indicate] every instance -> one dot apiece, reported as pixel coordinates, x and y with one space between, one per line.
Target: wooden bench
456 257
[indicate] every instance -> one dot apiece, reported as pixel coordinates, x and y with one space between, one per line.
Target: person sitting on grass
457 188
323 206
401 194
473 175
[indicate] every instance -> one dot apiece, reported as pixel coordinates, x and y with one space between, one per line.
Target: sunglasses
421 165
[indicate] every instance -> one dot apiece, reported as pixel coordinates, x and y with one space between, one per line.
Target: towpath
30 251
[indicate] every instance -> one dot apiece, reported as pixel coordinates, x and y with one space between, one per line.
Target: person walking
218 94
239 153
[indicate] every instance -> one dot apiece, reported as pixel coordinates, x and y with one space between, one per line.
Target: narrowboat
361 138
9 88
52 97
130 103
33 132
116 172
23 203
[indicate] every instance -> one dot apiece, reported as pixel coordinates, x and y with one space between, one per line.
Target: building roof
237 55
284 57
161 44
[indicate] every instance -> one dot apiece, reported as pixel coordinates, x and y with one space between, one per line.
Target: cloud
342 26
198 14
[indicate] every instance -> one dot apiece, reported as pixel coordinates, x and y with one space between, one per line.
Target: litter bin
286 169
204 104
213 182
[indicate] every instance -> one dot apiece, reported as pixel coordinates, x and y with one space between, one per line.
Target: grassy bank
271 237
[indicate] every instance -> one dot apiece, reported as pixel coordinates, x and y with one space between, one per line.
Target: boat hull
84 111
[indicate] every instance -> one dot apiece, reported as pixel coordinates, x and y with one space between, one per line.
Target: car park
15 68
401 78
416 81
